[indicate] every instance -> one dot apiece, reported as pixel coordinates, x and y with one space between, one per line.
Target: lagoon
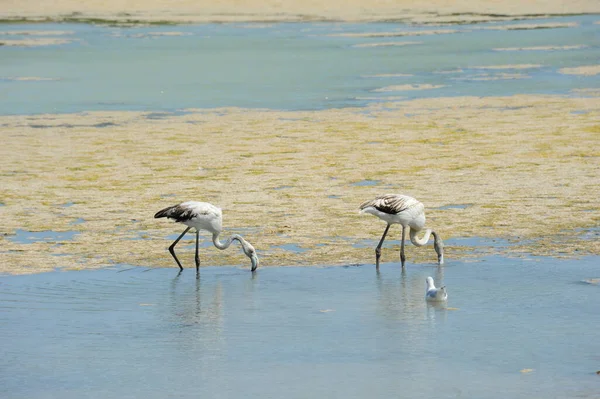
512 327
286 66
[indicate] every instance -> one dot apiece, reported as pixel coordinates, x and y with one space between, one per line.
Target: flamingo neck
225 244
415 239
438 244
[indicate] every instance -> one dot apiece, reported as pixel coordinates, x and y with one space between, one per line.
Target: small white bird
408 212
433 294
204 216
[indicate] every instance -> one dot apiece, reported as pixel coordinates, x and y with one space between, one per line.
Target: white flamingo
433 294
408 212
204 216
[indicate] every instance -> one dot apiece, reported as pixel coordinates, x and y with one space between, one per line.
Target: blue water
291 247
453 206
30 237
335 332
281 66
364 183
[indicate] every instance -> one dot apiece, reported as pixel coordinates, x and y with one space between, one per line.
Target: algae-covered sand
523 168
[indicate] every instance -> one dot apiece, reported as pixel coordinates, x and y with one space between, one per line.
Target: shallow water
30 237
364 183
283 66
291 332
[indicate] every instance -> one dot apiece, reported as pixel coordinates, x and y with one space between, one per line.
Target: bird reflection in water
396 296
194 306
199 304
401 299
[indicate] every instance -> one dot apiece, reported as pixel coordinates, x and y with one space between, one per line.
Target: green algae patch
588 70
34 42
527 165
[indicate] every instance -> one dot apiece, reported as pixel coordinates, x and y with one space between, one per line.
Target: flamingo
204 216
408 212
433 294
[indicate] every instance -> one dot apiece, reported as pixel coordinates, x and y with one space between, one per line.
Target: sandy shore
522 168
181 11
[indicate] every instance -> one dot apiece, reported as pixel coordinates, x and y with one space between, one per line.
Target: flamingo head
251 253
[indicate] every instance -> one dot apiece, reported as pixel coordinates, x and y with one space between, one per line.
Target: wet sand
522 168
182 11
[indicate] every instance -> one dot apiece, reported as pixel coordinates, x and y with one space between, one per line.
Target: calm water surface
343 332
285 66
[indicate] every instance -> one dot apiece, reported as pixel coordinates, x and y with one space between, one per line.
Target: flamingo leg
378 249
172 248
402 257
197 258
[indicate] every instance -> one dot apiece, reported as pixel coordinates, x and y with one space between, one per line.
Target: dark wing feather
178 213
390 203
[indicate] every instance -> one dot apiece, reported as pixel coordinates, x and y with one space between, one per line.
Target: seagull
407 211
433 294
204 216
